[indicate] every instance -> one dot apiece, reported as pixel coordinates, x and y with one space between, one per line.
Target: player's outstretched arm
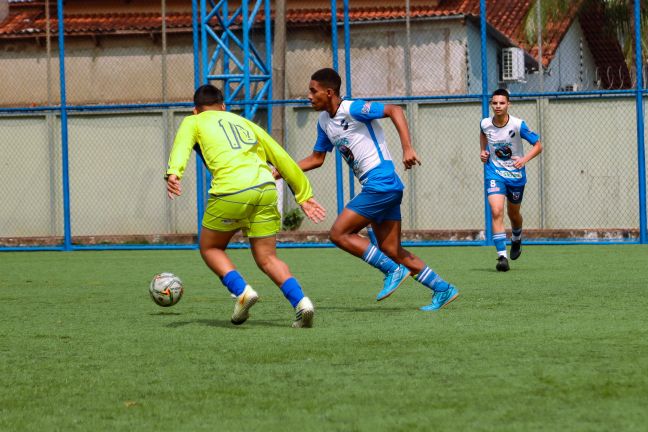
313 210
315 160
397 116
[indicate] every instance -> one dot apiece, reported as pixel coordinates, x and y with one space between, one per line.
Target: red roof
506 17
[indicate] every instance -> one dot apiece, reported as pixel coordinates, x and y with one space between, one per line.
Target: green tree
619 14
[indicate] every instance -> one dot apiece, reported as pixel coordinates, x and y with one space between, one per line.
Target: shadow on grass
164 313
228 324
362 309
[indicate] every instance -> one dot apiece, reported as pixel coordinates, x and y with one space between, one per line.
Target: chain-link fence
90 172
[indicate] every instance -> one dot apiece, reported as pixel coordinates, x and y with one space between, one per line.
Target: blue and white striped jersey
358 136
505 147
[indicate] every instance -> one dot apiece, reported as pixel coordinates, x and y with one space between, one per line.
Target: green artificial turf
558 343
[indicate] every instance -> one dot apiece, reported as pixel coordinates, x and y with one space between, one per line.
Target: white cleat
244 302
304 313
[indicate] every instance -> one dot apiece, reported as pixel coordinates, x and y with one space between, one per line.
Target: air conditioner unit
572 87
513 64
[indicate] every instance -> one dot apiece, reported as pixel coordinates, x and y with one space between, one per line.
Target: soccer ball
166 289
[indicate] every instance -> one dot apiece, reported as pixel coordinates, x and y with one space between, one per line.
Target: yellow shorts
254 211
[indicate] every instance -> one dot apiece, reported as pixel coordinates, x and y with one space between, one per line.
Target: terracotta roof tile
507 17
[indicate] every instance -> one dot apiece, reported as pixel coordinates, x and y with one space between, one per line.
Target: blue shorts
513 193
377 206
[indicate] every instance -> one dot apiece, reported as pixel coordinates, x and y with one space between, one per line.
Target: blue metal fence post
641 160
488 231
268 37
246 57
200 175
347 74
67 225
336 65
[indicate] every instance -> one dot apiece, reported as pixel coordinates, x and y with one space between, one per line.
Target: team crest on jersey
511 133
503 151
366 108
344 124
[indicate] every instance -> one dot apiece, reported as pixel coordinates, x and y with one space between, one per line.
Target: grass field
558 343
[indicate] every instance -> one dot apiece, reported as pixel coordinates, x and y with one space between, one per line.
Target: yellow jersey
236 152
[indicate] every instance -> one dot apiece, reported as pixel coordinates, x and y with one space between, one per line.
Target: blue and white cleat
441 299
393 280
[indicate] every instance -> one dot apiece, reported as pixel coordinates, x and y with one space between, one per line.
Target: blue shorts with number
377 206
513 193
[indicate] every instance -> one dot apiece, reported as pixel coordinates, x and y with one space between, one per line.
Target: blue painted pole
334 34
67 224
246 56
268 38
339 181
347 73
488 231
641 160
200 174
203 40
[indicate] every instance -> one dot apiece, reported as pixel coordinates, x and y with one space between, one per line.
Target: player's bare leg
515 216
344 234
212 250
496 203
264 251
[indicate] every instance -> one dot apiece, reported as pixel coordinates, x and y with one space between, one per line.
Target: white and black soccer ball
166 289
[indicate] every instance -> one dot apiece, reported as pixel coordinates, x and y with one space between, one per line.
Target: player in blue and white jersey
505 175
351 127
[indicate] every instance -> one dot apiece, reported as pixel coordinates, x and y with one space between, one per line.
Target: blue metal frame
347 75
200 171
488 222
641 152
237 76
339 181
67 223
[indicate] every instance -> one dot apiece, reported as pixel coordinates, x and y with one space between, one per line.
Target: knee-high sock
374 257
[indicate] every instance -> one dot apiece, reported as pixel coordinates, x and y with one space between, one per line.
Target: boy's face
319 95
500 105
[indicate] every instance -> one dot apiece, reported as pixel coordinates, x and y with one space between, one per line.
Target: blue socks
292 291
500 243
290 288
374 257
430 279
234 282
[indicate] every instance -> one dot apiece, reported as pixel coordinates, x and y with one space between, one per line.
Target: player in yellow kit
242 196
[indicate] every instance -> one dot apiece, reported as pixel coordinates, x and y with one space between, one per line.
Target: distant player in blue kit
351 127
501 150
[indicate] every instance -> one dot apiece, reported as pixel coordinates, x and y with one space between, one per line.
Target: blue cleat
441 299
393 280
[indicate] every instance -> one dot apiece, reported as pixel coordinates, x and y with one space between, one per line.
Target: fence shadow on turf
227 323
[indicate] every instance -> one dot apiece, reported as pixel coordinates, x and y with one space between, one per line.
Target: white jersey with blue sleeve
358 136
505 147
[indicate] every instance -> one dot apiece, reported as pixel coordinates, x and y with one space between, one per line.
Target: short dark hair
207 95
501 92
329 78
